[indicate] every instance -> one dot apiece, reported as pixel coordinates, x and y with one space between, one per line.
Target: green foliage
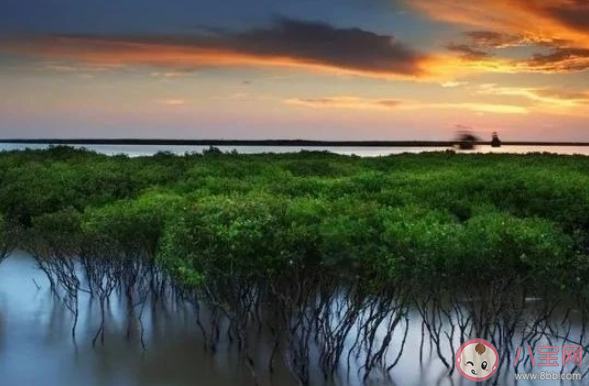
212 151
212 218
56 232
131 227
221 238
7 238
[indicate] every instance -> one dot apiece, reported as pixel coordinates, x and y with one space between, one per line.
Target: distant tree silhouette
495 142
212 151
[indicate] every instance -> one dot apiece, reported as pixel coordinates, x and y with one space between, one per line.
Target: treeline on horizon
371 222
275 142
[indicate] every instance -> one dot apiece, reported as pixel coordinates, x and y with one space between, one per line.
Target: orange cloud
559 29
546 98
497 39
348 102
286 43
559 60
171 74
475 107
539 21
108 52
321 47
452 84
172 102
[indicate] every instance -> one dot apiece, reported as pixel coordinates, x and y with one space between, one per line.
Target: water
36 346
148 150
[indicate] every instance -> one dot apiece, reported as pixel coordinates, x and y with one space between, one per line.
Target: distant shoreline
271 142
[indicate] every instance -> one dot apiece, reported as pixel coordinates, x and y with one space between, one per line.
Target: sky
294 69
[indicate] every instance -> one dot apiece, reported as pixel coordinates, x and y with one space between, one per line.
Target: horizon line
271 142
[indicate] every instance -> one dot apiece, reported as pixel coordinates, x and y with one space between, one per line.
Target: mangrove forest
329 260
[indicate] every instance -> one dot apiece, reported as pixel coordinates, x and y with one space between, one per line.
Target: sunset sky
310 69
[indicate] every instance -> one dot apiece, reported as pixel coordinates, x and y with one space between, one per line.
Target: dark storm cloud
286 42
561 59
573 13
467 52
352 48
494 39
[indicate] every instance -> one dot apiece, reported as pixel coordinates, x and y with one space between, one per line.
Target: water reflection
411 344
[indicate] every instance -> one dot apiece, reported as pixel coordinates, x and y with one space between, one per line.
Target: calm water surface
36 346
147 150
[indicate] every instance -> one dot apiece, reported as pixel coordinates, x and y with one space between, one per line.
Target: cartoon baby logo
477 360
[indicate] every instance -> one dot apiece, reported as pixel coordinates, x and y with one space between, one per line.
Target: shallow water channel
37 348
